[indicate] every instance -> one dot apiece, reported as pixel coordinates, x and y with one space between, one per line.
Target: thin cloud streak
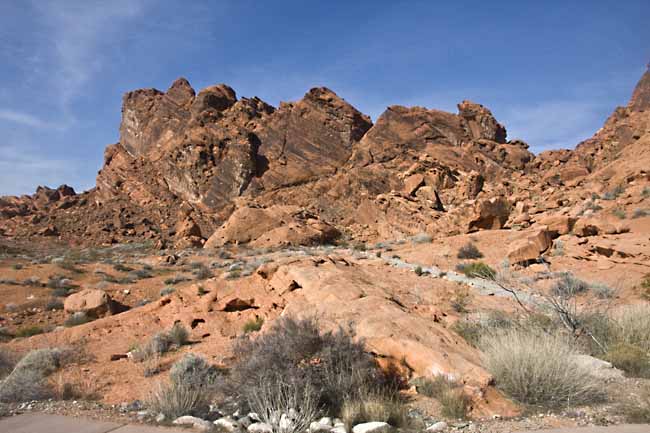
25 119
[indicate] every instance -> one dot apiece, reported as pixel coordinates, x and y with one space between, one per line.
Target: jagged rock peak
218 97
640 100
481 122
181 91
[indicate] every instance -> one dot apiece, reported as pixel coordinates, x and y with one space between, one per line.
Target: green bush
476 270
29 331
253 325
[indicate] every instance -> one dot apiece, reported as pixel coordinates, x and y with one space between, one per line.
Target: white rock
197 423
339 429
318 427
260 427
326 421
371 427
437 427
160 417
227 424
285 423
254 416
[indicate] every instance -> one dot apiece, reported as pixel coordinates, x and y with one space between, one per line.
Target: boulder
490 214
412 183
558 225
437 427
529 248
585 227
93 302
228 424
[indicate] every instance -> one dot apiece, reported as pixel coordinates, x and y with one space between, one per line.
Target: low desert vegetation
613 193
539 369
253 325
28 379
330 370
636 409
640 213
77 318
476 270
569 285
646 192
454 403
161 343
469 251
422 238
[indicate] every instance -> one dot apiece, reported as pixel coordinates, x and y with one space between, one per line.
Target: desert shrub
646 192
174 400
294 352
640 213
418 271
629 358
17 266
558 248
61 292
603 291
460 301
644 287
28 379
193 370
233 275
619 213
202 272
178 335
422 238
60 282
473 330
161 343
469 251
633 326
122 268
166 291
613 193
539 369
140 274
276 399
454 403
476 270
176 279
7 363
637 407
76 319
389 409
54 304
70 266
32 281
568 286
253 325
29 331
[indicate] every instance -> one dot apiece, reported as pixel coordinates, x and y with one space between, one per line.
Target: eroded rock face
641 97
490 214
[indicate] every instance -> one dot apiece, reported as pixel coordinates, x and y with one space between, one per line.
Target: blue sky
551 71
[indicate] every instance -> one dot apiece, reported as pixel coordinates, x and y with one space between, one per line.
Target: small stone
197 423
371 427
318 427
260 427
437 427
227 424
160 418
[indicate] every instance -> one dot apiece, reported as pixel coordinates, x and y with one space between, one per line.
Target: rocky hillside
206 168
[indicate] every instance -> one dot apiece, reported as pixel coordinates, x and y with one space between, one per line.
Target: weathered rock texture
193 166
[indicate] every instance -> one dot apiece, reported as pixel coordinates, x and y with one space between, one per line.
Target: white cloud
24 119
553 124
77 30
21 170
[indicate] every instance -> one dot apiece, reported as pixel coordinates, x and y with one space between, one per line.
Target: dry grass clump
454 403
29 331
288 407
539 369
28 380
253 325
637 409
191 386
568 285
161 343
389 409
469 251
